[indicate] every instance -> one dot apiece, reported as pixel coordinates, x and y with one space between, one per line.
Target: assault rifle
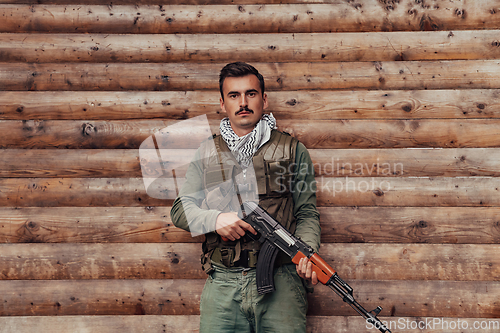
275 237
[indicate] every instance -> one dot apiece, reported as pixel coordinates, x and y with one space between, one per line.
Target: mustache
244 109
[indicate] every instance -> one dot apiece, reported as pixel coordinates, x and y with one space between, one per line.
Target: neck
241 131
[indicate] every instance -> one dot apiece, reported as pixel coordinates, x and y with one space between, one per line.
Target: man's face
243 102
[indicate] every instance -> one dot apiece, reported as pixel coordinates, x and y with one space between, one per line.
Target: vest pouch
259 166
279 177
217 174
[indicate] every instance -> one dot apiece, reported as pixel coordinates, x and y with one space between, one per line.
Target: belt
248 259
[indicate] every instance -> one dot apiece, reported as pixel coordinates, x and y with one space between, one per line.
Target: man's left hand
304 269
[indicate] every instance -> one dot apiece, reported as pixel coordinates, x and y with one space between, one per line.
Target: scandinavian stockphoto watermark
335 177
447 324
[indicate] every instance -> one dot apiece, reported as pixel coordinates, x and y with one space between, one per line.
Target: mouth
244 112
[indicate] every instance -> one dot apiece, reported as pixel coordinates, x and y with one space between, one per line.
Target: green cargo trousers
230 302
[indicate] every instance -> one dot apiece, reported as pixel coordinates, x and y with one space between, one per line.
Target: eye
251 94
233 96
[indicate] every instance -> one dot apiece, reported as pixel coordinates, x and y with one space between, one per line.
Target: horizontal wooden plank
190 323
104 324
310 105
100 297
403 162
100 261
242 16
80 192
331 191
458 262
322 47
181 297
424 191
402 324
117 163
314 134
70 163
397 75
90 225
462 225
125 163
413 298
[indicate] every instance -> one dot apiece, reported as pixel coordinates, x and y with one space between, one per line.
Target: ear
222 106
265 104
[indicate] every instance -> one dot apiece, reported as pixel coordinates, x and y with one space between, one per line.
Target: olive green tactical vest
273 164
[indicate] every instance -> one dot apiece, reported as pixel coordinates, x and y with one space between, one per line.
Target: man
249 146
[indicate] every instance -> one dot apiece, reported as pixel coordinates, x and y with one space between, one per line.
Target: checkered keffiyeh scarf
243 148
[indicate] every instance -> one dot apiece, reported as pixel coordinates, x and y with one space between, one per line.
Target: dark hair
239 69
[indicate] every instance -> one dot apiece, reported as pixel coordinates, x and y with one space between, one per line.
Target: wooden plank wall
396 100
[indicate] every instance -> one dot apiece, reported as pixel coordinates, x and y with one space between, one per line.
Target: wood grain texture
90 225
100 297
339 324
323 47
244 16
421 298
395 75
181 297
462 225
296 105
317 134
190 323
100 261
101 324
430 225
124 163
454 262
332 191
417 192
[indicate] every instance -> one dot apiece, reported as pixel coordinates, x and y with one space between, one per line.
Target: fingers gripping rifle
275 237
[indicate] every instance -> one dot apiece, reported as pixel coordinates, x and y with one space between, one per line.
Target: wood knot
378 192
88 129
422 224
460 13
139 309
291 102
32 225
406 108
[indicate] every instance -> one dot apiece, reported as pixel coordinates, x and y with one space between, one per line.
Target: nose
243 100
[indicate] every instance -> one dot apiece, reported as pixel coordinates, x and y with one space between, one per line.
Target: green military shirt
303 193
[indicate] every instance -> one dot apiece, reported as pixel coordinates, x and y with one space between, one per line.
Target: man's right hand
230 226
